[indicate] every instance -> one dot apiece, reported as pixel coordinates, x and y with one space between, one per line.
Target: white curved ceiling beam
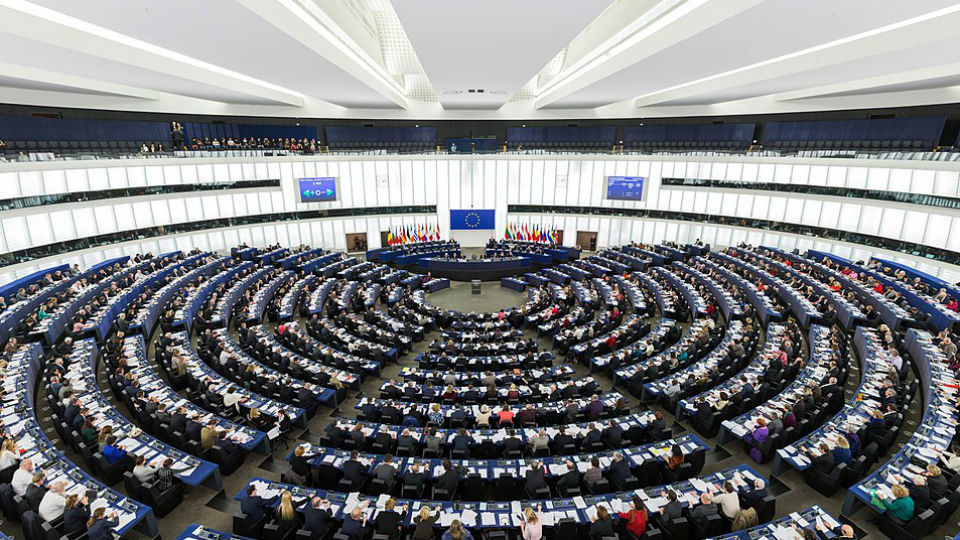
22 18
318 33
925 29
691 17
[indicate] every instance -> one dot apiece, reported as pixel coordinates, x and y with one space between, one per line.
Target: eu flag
461 220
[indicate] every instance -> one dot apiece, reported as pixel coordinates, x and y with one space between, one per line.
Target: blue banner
320 189
473 219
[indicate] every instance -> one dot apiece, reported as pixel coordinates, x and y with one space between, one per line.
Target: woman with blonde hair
457 532
285 512
425 522
435 414
901 507
841 452
9 454
105 433
531 528
388 522
483 417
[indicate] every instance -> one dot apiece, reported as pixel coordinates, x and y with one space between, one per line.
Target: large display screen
319 189
625 188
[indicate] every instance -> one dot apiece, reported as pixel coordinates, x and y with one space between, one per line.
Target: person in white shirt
9 454
22 477
231 399
729 500
53 502
144 471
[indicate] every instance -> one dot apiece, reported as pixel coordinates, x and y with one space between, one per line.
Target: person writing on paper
701 513
388 522
728 500
53 503
355 525
75 516
900 508
253 504
316 517
673 509
99 525
425 522
456 532
636 517
286 516
531 527
601 525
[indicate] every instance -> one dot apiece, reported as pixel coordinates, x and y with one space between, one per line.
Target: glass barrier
917 250
60 248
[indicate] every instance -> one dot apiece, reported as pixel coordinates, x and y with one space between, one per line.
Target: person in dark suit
570 480
193 430
99 525
700 513
601 526
563 439
920 493
253 505
388 521
753 495
35 491
823 461
75 515
413 477
593 435
355 525
512 443
316 517
612 435
449 479
178 421
357 436
673 509
462 442
535 478
353 470
620 472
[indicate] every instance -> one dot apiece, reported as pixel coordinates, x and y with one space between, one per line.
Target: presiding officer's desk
483 269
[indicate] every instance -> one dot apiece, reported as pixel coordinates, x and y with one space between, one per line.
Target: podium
475 286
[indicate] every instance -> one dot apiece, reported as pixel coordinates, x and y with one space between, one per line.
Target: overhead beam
927 28
304 26
32 21
689 18
869 83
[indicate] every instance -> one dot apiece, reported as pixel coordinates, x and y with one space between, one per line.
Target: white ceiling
417 59
495 45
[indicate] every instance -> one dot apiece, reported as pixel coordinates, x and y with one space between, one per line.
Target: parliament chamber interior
416 270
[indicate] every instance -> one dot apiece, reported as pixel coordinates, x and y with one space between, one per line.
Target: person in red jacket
636 518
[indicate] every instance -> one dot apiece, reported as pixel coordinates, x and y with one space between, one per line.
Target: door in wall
587 240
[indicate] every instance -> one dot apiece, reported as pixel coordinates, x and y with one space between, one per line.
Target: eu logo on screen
626 188
322 189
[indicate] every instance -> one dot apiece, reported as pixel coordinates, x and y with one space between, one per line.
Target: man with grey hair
700 514
53 503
